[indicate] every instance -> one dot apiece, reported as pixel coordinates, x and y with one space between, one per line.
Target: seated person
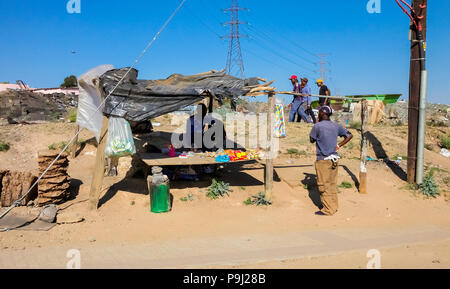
197 137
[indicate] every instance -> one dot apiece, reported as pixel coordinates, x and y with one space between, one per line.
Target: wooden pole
414 91
211 104
73 150
99 170
363 172
268 185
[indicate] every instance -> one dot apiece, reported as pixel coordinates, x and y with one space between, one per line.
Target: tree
70 81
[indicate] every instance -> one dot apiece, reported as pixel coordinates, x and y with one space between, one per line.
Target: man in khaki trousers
325 135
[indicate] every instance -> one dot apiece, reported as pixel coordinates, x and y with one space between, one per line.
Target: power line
263 43
269 38
294 43
274 52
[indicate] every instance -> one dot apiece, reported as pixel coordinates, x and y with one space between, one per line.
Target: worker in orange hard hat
325 91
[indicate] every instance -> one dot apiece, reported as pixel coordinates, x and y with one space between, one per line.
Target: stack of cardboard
53 188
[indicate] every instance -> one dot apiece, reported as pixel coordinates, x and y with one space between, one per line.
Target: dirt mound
437 114
31 106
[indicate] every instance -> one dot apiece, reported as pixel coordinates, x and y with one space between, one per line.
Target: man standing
306 93
325 134
323 90
297 102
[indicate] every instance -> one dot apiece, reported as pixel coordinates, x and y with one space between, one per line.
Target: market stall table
159 159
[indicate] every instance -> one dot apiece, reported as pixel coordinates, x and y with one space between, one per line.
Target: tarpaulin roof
140 100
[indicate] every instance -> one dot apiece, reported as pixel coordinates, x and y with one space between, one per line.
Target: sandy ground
391 211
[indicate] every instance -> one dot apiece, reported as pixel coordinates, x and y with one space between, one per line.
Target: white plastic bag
88 116
120 138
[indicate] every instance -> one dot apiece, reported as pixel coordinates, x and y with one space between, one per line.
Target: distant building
67 91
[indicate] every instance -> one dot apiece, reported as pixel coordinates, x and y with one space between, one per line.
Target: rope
17 203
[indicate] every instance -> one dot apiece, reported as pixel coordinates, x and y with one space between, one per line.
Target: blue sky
369 53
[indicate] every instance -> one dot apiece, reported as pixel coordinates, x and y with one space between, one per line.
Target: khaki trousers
327 183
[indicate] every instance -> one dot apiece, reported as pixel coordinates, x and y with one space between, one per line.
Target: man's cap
327 110
319 80
293 77
305 79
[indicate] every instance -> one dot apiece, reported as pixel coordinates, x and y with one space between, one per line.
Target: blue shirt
325 134
306 91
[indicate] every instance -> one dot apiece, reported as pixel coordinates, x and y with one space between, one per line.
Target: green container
160 198
160 201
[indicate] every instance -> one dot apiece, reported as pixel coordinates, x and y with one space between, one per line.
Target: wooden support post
269 152
363 172
211 104
73 150
99 170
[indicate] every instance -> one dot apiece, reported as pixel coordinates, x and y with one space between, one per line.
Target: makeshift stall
141 100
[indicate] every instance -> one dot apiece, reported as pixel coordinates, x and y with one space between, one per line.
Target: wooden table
162 160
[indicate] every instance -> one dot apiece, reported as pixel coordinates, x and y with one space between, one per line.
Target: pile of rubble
53 188
14 185
437 114
31 106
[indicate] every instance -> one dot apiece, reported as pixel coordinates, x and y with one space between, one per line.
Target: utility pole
235 64
323 66
417 66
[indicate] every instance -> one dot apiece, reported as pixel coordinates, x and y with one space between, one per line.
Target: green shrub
72 117
397 156
445 141
296 152
346 185
55 146
292 151
436 124
56 116
218 189
398 123
4 146
248 202
355 125
260 200
189 197
429 187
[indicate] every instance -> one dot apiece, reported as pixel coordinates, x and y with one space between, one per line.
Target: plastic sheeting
90 99
141 100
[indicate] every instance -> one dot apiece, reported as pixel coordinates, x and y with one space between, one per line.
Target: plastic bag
90 98
120 138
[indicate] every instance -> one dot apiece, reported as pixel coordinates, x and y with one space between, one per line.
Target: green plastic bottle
160 201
